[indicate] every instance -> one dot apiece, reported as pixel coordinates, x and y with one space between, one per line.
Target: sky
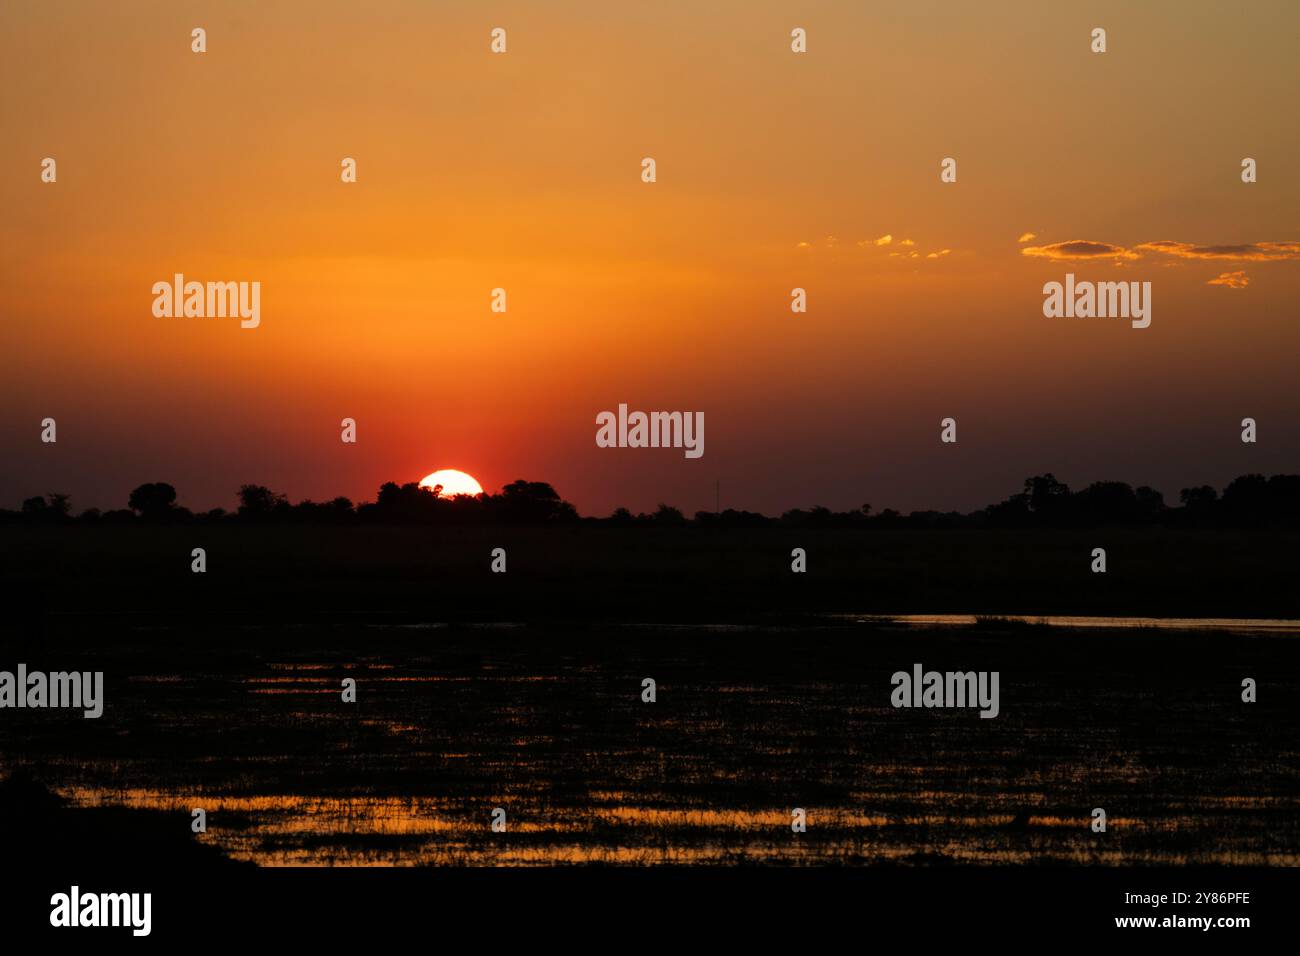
522 171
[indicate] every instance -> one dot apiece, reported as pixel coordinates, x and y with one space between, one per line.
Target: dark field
246 720
585 572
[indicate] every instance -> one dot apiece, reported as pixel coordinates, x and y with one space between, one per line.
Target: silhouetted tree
1150 504
258 501
152 501
529 502
667 514
52 507
1245 500
1047 499
1104 502
407 503
1012 513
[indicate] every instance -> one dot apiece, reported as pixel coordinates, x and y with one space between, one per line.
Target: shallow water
747 726
1239 625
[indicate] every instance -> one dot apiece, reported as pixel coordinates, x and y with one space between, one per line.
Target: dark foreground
548 723
584 573
223 691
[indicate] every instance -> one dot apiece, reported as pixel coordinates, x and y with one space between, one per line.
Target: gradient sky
775 170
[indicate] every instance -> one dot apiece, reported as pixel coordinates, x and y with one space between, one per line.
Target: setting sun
453 483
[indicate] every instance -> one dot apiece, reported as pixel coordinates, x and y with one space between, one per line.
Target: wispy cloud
830 242
1233 280
939 254
1079 249
1240 252
1026 237
1245 252
888 239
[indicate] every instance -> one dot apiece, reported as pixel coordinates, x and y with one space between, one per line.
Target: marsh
245 719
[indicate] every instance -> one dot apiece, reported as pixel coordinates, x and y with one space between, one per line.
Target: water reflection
1238 625
298 830
748 724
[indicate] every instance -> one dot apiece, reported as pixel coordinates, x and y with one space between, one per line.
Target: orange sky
522 171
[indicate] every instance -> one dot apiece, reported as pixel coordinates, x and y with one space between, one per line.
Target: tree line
1043 502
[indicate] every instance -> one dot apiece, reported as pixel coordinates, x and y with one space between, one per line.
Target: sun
453 483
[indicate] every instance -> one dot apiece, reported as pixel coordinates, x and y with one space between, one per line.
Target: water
1231 624
750 723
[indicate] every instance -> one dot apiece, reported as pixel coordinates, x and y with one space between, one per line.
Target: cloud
1245 252
1233 280
1026 236
886 240
1175 251
936 255
1079 249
